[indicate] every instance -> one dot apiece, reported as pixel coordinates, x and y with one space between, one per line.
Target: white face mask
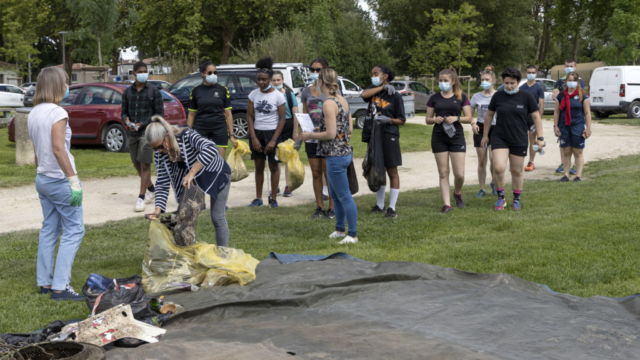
572 84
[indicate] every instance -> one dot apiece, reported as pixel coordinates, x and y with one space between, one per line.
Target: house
8 74
83 73
125 68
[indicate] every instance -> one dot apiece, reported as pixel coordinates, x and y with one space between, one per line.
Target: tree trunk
546 33
69 61
227 37
576 43
115 57
99 49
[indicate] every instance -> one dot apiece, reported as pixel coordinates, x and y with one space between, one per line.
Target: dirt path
113 199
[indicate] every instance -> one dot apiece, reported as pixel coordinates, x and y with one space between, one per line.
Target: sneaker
335 235
278 193
530 166
577 179
500 204
139 205
44 290
516 205
494 192
391 213
273 203
348 240
459 201
256 203
564 179
149 197
560 169
446 209
319 214
573 170
325 197
287 193
376 210
481 193
67 294
330 214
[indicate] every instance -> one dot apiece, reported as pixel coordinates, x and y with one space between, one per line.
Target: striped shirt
194 148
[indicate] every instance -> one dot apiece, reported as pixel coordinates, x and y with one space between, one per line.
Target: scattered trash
288 154
60 350
191 203
238 169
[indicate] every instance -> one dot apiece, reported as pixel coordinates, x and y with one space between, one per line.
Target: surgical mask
512 92
278 87
531 77
142 77
572 84
66 93
212 79
314 76
568 70
485 85
444 86
376 81
268 87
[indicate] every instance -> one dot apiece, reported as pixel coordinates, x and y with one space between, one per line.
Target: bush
287 45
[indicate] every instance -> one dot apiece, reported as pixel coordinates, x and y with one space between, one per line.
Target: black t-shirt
447 107
210 102
513 113
387 105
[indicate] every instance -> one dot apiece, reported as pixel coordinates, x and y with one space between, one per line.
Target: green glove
76 191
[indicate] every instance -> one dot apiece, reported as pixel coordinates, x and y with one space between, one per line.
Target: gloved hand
297 144
389 89
76 191
381 119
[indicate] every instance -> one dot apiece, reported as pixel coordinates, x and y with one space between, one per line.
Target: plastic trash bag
373 163
238 169
288 154
191 203
167 267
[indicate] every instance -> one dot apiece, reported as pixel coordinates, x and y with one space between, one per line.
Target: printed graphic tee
265 109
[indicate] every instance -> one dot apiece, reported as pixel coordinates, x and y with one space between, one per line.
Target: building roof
5 65
81 66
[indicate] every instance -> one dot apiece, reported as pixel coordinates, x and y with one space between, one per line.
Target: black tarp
347 309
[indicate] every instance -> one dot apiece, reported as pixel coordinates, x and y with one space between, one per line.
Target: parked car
547 85
294 73
27 84
164 85
419 92
94 114
11 96
615 90
30 92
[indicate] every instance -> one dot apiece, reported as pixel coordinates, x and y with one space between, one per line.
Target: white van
615 90
294 73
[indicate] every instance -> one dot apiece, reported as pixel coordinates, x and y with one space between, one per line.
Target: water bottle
537 148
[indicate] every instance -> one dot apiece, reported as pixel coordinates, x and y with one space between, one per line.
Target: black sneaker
376 210
446 209
391 213
564 179
67 294
577 179
459 201
44 290
330 214
319 214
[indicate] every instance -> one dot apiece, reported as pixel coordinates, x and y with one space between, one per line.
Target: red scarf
566 104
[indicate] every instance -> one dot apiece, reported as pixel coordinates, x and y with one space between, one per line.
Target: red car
94 114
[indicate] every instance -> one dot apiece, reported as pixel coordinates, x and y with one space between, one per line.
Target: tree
19 35
624 24
97 19
570 19
451 42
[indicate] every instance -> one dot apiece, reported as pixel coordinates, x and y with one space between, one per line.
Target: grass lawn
93 161
571 237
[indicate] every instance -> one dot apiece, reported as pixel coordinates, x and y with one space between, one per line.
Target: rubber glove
76 191
389 89
381 119
297 144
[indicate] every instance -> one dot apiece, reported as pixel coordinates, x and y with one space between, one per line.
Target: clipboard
305 122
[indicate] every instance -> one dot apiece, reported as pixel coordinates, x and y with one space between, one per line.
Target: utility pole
64 53
29 67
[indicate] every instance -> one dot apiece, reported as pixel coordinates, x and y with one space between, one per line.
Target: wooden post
25 153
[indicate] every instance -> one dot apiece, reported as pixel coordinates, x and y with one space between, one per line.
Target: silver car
547 85
419 92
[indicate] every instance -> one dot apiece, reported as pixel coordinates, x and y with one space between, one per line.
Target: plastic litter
238 169
287 153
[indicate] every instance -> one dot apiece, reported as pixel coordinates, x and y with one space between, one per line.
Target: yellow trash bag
288 154
167 267
238 169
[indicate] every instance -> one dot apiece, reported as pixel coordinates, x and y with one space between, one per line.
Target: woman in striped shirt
183 159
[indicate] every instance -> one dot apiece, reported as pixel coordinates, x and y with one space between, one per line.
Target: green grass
93 161
571 237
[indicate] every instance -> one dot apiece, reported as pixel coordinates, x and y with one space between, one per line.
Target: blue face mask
267 88
568 70
572 84
531 77
142 77
485 85
512 92
66 93
314 76
376 81
278 87
212 79
444 86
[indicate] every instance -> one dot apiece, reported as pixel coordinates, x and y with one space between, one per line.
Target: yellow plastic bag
288 154
238 169
167 267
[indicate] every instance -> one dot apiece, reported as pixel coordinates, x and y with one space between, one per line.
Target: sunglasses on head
264 70
213 72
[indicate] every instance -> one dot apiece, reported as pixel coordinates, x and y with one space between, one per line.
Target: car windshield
296 78
166 97
184 86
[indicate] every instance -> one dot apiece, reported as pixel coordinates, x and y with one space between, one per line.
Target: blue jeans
55 196
345 207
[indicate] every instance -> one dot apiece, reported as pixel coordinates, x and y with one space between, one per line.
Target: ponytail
329 78
158 129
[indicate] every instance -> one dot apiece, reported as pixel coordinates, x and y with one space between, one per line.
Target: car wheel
115 138
634 110
360 117
240 126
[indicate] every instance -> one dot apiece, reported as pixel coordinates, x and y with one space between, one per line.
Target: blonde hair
51 86
158 129
329 78
488 72
489 68
456 86
576 78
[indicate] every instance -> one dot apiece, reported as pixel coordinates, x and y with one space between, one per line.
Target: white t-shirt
481 104
265 109
40 122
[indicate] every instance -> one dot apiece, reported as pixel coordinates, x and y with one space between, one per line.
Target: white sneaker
139 205
348 240
335 235
148 197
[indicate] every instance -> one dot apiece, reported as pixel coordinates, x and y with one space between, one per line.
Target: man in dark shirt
139 103
535 89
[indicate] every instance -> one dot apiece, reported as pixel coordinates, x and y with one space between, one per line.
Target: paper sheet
305 122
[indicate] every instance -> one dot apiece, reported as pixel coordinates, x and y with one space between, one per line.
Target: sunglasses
212 73
315 70
159 147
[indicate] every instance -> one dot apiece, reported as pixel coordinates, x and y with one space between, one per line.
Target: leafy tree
624 25
19 34
283 45
97 19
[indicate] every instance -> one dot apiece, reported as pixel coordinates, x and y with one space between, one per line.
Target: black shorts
517 150
264 136
391 150
477 139
312 151
441 142
287 131
221 138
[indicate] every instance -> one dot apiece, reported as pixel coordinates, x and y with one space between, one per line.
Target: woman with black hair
386 107
447 139
266 116
509 139
312 101
210 109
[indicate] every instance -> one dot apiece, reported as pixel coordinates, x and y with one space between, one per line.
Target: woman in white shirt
57 184
480 102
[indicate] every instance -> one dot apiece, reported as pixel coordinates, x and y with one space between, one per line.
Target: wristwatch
541 138
458 118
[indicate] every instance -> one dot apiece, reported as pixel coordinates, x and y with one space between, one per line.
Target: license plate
598 100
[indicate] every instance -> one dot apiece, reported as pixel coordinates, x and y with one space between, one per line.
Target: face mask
572 84
512 92
444 86
142 77
314 76
568 70
319 87
213 78
278 87
531 77
376 81
485 85
66 93
268 87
